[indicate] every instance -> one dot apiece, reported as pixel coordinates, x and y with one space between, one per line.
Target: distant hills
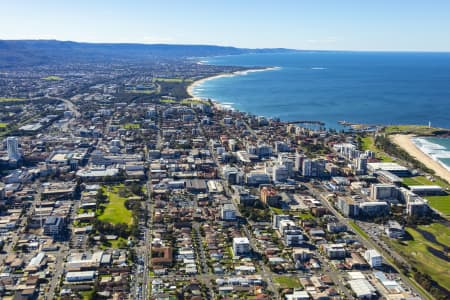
14 53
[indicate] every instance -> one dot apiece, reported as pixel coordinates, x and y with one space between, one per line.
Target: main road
369 244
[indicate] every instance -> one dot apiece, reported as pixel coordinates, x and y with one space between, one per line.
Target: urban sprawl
118 185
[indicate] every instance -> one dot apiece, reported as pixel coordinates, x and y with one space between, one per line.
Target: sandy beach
191 87
404 141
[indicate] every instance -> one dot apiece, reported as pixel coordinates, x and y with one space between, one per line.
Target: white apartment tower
12 145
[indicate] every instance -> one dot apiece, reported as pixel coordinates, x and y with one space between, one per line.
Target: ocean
437 148
359 87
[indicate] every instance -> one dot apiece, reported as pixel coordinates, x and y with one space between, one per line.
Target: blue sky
397 25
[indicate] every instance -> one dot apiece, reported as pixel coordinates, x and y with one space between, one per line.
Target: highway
368 243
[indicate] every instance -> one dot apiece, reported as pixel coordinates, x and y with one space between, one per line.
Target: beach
405 142
190 88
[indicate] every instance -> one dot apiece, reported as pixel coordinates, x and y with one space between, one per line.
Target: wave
435 151
319 68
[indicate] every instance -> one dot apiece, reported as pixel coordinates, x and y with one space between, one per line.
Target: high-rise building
298 161
12 145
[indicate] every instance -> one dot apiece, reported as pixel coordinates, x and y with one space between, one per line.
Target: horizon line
229 46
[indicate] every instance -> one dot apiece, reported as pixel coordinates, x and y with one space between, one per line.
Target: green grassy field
146 92
277 211
195 101
422 180
305 216
411 129
115 211
6 99
417 251
369 144
167 101
131 126
441 203
87 295
53 78
3 125
178 80
287 282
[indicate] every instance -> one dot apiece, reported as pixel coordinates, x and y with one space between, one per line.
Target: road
368 243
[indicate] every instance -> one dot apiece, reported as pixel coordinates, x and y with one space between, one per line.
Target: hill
15 53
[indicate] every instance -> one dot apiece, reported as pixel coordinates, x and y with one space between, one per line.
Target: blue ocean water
437 148
360 87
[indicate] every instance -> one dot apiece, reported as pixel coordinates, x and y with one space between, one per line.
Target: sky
386 25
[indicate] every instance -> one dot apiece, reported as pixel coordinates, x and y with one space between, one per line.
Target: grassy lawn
287 282
195 101
131 126
3 125
358 229
115 244
277 211
115 211
147 92
422 180
6 99
178 80
305 216
87 295
441 203
411 129
369 144
416 251
52 78
167 101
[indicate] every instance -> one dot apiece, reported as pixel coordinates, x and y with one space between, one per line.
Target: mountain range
15 53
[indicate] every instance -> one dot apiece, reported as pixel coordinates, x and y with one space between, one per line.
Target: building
394 168
241 246
374 208
335 251
362 288
276 219
336 227
12 145
298 161
426 190
256 178
292 237
54 226
373 258
80 276
228 212
162 256
298 295
394 230
417 207
269 196
348 206
384 192
361 165
313 167
280 173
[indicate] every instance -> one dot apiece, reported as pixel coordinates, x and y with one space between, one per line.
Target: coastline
405 142
190 88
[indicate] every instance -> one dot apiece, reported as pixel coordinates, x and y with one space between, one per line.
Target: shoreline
405 142
190 87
